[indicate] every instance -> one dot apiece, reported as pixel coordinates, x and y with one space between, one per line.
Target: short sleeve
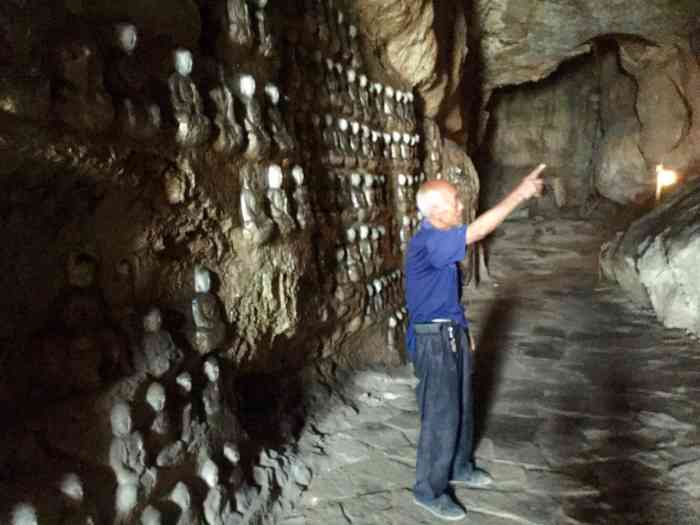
447 246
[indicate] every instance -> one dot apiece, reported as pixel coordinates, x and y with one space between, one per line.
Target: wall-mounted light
664 179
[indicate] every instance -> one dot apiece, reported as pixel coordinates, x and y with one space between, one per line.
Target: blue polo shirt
433 280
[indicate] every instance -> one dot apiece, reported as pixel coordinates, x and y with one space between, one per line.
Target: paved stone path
588 408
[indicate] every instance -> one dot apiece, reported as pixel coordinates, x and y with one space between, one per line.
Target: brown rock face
424 44
525 40
554 121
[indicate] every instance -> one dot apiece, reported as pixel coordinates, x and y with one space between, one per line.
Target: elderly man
437 339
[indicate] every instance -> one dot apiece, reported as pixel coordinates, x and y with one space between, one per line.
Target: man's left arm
488 221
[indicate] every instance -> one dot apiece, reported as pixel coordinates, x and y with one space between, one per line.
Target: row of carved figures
397 323
406 190
364 304
354 197
362 254
173 431
348 143
327 27
258 226
165 102
382 294
343 92
408 226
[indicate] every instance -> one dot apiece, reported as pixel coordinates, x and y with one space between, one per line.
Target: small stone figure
280 135
377 91
403 192
341 270
155 397
184 382
205 329
258 139
388 106
304 213
237 34
211 396
378 296
83 349
405 146
411 111
376 150
354 143
334 155
369 191
344 101
127 81
398 100
192 125
158 351
266 45
354 44
363 98
151 516
414 225
375 238
180 495
279 204
217 507
127 457
395 145
353 258
233 456
370 312
366 254
229 136
332 19
365 146
257 226
76 511
405 232
81 99
342 35
331 86
24 514
386 149
382 192
342 139
358 198
392 323
353 93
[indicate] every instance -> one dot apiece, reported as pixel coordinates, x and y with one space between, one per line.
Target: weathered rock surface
602 123
554 121
424 44
522 41
656 259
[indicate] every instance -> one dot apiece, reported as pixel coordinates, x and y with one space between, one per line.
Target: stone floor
588 408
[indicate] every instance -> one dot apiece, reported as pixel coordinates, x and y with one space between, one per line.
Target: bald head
433 195
439 202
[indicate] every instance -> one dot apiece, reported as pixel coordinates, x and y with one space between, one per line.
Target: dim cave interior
205 209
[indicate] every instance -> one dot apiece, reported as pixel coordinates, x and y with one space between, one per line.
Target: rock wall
655 259
524 41
424 44
602 123
250 171
554 121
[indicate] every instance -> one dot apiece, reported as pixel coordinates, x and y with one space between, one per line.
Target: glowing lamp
664 179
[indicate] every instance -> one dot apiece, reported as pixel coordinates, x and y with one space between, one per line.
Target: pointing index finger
534 174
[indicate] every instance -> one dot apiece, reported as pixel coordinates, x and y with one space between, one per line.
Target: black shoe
443 507
478 478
